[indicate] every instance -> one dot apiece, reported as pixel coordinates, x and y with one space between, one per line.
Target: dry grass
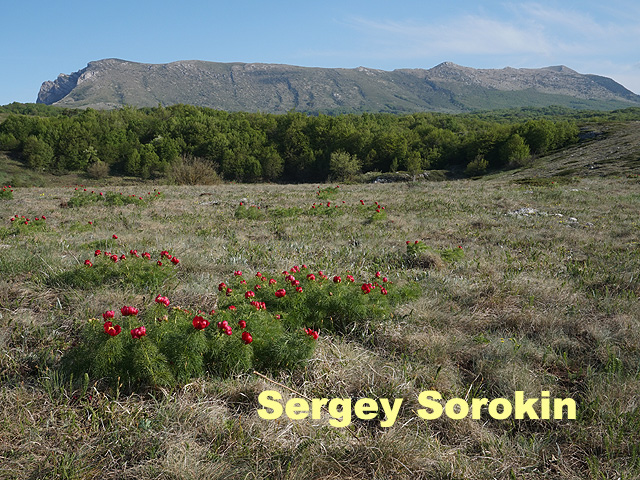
538 302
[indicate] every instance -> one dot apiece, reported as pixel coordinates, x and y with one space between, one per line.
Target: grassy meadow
544 297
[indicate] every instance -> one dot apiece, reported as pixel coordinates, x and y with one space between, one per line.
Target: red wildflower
200 323
337 279
222 286
88 263
228 292
97 253
164 300
114 236
281 293
108 314
311 276
112 329
366 287
138 332
175 260
242 324
311 333
249 294
247 338
128 311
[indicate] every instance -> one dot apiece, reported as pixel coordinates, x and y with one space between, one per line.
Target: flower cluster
275 329
6 193
22 220
312 333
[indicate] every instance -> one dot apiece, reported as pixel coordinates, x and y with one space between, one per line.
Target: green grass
528 303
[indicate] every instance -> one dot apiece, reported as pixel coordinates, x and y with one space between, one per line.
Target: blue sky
40 40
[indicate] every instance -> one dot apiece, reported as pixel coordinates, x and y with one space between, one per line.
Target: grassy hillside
525 285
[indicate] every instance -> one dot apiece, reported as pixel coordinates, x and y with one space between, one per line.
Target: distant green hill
274 88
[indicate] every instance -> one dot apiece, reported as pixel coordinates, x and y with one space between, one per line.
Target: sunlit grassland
546 301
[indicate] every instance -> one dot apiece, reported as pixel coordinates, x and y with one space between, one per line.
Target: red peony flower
383 291
337 279
138 332
114 258
272 281
175 260
311 333
350 278
366 287
299 289
147 255
249 294
247 338
228 291
311 276
128 311
238 273
232 307
114 236
88 263
222 286
242 324
200 323
159 263
281 293
112 329
97 253
163 300
108 314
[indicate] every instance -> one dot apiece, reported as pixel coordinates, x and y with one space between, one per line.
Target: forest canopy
293 147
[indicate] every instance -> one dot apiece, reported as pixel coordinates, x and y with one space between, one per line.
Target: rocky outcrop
52 92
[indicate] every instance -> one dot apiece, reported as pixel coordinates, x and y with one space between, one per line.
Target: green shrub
260 326
84 197
133 271
6 193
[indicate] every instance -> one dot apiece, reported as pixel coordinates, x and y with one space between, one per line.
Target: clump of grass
251 212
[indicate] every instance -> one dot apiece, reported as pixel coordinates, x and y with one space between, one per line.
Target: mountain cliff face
274 88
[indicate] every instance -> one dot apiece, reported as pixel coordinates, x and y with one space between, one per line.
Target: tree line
292 147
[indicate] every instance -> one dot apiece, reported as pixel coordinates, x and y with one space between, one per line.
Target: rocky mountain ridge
277 88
